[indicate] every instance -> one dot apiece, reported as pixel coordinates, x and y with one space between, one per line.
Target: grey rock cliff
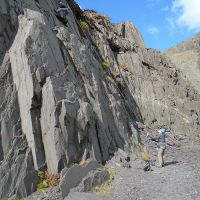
161 92
186 57
74 94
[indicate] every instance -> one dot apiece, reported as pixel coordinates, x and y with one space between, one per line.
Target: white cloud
153 30
187 13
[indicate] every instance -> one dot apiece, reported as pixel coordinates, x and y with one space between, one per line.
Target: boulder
73 176
92 179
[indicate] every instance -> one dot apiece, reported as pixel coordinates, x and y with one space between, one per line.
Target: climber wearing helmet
161 145
62 8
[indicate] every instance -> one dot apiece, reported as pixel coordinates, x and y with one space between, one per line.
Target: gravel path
49 194
178 180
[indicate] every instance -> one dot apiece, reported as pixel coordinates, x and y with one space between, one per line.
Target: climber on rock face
161 145
62 9
61 12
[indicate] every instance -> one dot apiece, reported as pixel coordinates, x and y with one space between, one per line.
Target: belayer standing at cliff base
161 145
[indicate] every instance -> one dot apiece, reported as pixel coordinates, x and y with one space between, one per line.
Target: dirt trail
178 180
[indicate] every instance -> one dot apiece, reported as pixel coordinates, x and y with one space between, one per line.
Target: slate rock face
186 56
17 173
77 94
161 92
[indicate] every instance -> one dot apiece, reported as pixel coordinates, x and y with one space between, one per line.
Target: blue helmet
162 131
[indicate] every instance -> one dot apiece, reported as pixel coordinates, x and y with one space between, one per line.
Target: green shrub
42 185
41 175
84 26
46 180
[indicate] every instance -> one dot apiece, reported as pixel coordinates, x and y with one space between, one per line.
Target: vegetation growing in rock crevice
47 180
84 26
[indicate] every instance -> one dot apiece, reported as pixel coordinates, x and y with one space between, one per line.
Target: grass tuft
145 156
47 180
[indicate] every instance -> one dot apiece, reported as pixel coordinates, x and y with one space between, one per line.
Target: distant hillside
186 56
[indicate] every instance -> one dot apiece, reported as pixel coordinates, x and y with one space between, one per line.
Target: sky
162 23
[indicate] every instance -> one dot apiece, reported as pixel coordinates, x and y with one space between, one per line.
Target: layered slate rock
78 93
17 173
59 97
161 92
186 56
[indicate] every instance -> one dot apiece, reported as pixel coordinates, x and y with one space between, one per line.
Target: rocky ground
51 193
179 179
